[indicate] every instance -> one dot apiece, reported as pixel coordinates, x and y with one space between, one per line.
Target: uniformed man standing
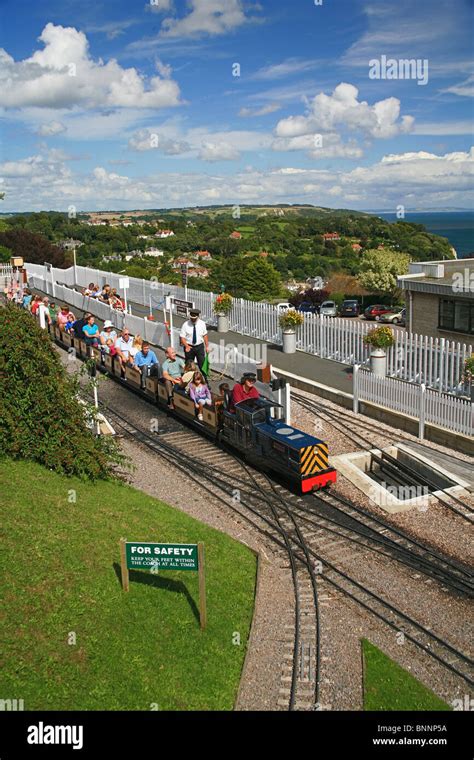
194 339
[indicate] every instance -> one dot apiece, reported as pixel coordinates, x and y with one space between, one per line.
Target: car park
349 308
376 311
328 309
395 317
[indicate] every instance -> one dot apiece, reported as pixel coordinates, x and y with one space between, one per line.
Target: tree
260 280
32 247
379 270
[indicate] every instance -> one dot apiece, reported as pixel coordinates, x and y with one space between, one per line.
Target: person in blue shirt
147 363
91 332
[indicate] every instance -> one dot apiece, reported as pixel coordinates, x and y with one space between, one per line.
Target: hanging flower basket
290 320
381 337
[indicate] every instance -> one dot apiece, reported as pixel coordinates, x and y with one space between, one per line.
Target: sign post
155 557
182 307
124 284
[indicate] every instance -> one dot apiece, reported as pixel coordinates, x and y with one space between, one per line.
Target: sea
457 226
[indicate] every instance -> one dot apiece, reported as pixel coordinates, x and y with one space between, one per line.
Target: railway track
275 513
388 464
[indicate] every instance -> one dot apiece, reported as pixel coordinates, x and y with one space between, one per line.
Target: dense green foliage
379 270
140 650
288 239
41 416
387 686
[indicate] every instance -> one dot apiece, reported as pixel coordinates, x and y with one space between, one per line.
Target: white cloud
218 151
263 111
465 88
343 109
207 17
112 29
284 69
416 179
444 128
169 138
62 74
51 129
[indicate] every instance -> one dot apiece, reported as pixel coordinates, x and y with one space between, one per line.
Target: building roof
453 277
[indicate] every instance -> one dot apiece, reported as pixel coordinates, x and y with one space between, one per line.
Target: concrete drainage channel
393 489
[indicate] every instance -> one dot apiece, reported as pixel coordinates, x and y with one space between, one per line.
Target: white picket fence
424 404
415 358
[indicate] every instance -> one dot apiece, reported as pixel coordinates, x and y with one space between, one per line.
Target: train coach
254 430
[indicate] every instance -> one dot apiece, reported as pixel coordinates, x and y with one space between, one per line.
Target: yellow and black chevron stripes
314 458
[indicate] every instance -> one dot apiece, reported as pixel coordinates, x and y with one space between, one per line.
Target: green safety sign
143 556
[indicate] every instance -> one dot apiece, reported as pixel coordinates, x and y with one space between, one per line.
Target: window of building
457 316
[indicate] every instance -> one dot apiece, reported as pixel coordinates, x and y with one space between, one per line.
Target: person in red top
244 390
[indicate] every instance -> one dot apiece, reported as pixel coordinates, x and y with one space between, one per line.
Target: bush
291 319
41 417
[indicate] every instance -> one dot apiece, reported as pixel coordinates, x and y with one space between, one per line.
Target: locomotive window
294 455
259 417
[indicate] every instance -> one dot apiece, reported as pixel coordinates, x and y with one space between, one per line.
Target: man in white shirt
123 346
43 313
194 339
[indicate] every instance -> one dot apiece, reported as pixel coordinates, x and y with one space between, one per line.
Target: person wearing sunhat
194 339
244 390
107 333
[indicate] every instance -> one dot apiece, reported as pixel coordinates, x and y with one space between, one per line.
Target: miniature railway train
253 430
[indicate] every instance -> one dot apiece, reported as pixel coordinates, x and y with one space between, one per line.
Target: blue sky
172 102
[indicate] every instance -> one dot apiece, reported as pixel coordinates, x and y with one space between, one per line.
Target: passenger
70 323
19 297
189 370
42 312
224 393
124 345
53 310
104 295
64 315
115 301
91 332
27 298
109 347
244 390
200 393
78 326
35 304
136 346
147 363
107 332
89 290
173 368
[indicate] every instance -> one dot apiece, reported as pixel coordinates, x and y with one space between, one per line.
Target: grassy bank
72 639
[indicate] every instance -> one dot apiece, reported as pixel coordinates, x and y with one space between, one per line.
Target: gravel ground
437 526
343 622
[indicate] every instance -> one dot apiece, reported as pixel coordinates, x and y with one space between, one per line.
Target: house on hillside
183 262
154 252
263 254
235 235
202 255
356 247
440 299
331 236
201 272
164 233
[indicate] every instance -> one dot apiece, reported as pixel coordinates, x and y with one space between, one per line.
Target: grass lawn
60 563
387 686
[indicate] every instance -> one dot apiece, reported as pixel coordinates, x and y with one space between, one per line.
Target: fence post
421 426
355 389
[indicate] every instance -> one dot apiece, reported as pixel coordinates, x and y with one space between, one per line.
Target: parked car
284 306
349 308
307 308
375 312
328 309
395 317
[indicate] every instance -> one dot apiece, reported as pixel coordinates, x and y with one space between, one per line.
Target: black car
308 308
349 309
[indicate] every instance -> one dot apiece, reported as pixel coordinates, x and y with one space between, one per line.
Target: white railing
6 270
423 404
415 358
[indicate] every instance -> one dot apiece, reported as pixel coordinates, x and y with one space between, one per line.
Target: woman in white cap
107 333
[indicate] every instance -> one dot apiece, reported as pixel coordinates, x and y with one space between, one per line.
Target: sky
363 104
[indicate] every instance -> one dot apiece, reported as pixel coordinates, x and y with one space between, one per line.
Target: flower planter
289 341
378 362
222 323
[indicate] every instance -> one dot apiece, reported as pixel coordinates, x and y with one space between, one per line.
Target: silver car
328 309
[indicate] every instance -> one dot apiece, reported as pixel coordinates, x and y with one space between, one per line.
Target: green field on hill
73 639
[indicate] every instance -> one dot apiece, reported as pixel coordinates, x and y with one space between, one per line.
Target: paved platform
333 374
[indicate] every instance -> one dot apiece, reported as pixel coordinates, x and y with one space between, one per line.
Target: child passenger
200 394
